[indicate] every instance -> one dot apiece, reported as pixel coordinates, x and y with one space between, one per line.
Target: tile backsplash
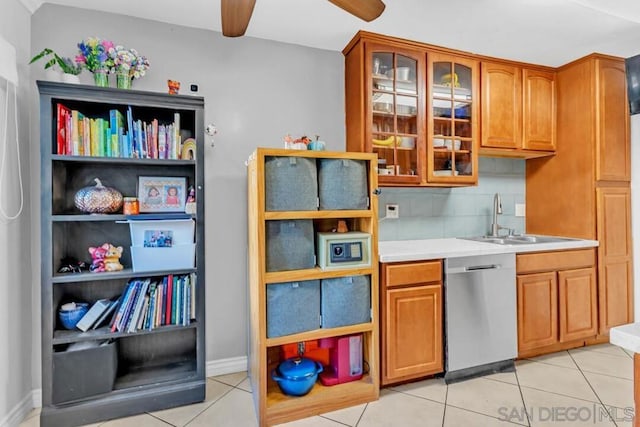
427 213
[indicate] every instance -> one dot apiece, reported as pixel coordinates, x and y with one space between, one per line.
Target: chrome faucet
497 210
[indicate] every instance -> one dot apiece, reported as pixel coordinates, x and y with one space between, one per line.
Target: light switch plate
520 209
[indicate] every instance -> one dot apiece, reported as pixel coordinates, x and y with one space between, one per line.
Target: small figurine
190 206
174 87
105 258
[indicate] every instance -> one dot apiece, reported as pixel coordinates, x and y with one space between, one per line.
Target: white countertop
416 250
626 336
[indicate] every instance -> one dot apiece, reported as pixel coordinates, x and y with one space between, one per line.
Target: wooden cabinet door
614 154
539 117
537 310
413 333
501 95
615 275
578 304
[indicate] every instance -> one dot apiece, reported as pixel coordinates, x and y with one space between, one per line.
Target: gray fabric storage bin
342 184
345 301
291 184
83 373
290 245
293 307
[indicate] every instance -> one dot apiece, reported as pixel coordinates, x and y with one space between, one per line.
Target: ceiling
548 32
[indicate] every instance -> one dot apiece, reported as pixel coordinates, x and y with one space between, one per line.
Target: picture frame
162 193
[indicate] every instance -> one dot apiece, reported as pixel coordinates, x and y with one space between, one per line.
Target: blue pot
296 376
69 318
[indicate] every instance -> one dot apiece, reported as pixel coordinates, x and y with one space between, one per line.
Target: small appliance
343 250
345 359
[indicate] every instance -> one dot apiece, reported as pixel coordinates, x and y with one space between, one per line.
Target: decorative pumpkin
98 199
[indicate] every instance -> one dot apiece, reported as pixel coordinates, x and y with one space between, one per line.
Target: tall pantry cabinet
153 363
584 190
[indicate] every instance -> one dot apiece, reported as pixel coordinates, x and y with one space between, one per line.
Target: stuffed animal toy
105 258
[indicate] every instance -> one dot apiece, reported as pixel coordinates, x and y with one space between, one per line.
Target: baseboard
226 366
20 411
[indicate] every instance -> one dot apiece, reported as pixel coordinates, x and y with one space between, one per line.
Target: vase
101 78
70 78
123 80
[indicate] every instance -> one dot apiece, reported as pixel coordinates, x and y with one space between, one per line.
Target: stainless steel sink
518 240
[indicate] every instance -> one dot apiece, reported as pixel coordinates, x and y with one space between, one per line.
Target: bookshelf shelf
127 273
158 366
104 333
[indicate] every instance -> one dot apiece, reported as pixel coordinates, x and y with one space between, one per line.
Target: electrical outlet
520 209
392 211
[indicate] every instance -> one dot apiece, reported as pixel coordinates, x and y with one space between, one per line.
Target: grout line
332 420
209 406
594 391
160 419
446 396
362 414
486 415
524 405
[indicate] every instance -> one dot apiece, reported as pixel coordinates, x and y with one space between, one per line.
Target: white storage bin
144 233
159 259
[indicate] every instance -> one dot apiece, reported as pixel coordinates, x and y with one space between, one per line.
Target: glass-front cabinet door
452 130
395 119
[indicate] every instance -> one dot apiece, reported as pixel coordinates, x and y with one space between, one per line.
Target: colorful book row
79 135
150 303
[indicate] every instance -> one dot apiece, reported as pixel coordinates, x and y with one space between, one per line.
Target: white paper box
182 231
160 259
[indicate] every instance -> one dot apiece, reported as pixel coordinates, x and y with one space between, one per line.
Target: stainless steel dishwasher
480 315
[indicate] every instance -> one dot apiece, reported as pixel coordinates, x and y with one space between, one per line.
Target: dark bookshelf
156 369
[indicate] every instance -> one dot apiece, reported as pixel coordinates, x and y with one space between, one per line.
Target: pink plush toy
106 258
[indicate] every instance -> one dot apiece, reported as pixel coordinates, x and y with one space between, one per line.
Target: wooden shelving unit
272 406
158 368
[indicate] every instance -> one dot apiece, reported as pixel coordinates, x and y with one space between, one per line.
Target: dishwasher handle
473 268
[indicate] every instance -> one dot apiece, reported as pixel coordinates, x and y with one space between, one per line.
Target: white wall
255 91
16 282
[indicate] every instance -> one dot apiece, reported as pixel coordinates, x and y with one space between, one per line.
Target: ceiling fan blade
367 10
235 16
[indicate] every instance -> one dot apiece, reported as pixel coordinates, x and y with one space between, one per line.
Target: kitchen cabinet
411 320
118 371
588 181
614 261
518 110
557 300
416 107
282 262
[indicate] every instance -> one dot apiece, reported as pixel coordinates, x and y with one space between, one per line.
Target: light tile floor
587 386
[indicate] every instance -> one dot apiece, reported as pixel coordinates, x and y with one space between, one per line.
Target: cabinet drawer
410 273
556 260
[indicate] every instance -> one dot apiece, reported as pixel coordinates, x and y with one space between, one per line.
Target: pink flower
80 59
107 44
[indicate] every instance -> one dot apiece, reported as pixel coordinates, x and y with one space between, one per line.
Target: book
105 315
137 307
131 300
123 304
96 310
61 128
169 300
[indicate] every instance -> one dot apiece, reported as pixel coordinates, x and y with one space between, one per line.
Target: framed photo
162 193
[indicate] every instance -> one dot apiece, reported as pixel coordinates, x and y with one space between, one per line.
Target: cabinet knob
377 191
199 187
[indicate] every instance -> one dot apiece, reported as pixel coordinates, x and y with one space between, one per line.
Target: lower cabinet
411 320
557 299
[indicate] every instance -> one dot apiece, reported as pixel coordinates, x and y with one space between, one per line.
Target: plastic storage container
177 257
146 233
293 307
345 301
291 184
290 245
75 375
342 184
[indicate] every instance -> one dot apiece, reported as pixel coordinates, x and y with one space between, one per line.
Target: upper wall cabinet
613 148
518 111
415 108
